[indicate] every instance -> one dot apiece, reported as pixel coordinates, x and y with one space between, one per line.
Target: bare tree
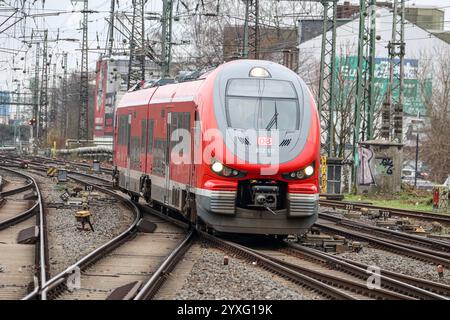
435 147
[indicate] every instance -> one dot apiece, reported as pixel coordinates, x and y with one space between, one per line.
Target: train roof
188 90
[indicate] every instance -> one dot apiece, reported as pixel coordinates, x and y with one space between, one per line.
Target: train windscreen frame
262 104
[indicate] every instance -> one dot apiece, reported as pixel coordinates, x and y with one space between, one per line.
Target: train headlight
227 171
259 72
222 170
304 173
217 167
309 170
300 174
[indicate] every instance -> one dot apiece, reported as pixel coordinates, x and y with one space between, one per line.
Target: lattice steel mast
36 97
166 52
393 104
327 85
364 104
327 71
43 103
64 109
54 105
251 41
83 122
110 43
136 66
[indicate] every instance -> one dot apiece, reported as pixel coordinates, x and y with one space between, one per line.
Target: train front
262 164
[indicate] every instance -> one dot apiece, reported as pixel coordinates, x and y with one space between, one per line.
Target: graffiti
440 197
385 166
365 171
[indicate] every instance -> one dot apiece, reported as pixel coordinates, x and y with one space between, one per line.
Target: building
420 44
420 47
5 107
110 86
272 42
426 17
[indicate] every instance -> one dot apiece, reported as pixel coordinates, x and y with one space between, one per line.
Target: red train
236 150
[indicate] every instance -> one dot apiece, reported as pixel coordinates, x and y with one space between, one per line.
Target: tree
435 146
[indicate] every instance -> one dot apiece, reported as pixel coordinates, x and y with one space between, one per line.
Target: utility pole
83 123
327 71
136 66
111 28
251 30
364 104
43 105
166 52
63 110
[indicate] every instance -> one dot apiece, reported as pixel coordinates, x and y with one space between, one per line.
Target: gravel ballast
67 243
211 279
398 263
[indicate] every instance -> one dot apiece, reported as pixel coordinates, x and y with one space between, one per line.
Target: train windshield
262 104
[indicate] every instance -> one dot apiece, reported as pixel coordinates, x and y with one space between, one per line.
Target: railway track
53 161
331 282
389 211
415 252
24 266
388 279
415 240
133 262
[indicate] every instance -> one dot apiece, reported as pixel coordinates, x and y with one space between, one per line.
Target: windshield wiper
274 120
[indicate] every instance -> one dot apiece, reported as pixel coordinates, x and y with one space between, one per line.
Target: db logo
264 141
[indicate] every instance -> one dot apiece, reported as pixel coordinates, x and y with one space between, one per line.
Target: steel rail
4 224
389 245
274 267
438 288
433 243
17 190
20 216
341 282
102 250
372 233
152 286
390 280
42 248
59 161
393 211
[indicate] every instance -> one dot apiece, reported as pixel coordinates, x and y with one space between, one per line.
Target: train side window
151 125
180 120
122 120
159 160
119 135
143 135
135 147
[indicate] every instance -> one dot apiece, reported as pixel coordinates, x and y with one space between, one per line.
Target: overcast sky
68 25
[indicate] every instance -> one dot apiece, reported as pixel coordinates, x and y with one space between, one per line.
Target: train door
128 169
167 157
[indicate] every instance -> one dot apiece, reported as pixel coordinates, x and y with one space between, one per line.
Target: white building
421 47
